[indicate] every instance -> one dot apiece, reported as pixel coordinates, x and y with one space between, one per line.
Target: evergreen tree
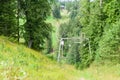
73 56
69 5
84 16
36 29
96 17
74 10
109 44
8 25
56 10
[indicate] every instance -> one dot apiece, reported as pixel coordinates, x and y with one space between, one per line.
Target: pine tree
36 30
109 43
8 18
96 20
56 10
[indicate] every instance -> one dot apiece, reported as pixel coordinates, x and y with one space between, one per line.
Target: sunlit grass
101 72
20 63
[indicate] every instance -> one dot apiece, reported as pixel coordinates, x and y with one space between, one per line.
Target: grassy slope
102 72
20 63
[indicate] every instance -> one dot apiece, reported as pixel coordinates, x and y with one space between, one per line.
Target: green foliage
49 44
85 55
100 23
88 33
8 25
56 11
74 9
69 5
112 10
109 44
36 29
73 56
71 48
73 14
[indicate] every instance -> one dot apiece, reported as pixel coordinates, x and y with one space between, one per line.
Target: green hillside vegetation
60 40
96 71
20 63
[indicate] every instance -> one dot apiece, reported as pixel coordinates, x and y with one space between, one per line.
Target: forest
40 39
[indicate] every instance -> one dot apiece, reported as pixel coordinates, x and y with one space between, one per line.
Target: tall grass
20 63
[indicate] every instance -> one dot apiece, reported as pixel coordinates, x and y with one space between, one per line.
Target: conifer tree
56 10
8 18
36 29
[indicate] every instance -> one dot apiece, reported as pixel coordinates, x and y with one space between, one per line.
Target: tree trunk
30 43
18 6
100 3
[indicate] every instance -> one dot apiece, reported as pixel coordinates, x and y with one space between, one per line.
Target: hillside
20 63
60 40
